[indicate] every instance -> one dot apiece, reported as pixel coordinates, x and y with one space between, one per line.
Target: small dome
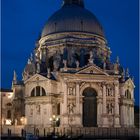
73 18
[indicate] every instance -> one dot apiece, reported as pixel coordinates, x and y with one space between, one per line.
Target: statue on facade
91 58
38 68
71 91
127 73
65 64
56 60
71 108
77 64
71 57
31 111
31 57
38 109
48 73
110 108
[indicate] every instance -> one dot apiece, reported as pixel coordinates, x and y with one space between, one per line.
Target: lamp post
53 120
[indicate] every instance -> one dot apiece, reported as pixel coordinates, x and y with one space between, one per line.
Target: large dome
73 18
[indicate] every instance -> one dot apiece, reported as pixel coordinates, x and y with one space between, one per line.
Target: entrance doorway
90 108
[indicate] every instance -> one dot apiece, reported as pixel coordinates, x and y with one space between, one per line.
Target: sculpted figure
71 108
56 60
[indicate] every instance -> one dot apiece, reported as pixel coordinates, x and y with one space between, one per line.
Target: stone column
35 91
126 114
104 115
49 113
78 113
64 118
123 108
132 115
77 98
40 91
116 115
27 113
65 98
99 111
122 118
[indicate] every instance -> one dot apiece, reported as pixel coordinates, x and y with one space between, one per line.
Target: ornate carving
104 83
116 84
71 107
31 112
110 108
71 118
82 84
38 109
70 91
109 91
71 84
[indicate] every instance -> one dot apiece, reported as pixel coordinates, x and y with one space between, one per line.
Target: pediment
92 70
36 77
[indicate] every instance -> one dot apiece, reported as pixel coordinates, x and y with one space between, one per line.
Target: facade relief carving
31 112
38 109
71 108
110 108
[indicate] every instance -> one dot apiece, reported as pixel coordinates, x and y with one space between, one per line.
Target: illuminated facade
70 75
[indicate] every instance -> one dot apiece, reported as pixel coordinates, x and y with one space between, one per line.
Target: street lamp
53 120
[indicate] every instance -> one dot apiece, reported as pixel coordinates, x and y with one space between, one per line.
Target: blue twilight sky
23 20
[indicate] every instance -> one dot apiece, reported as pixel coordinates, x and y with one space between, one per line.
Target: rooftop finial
29 61
117 60
127 73
15 77
76 2
31 57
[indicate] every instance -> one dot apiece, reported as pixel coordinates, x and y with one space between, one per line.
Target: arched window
128 94
9 114
33 93
38 91
58 109
43 92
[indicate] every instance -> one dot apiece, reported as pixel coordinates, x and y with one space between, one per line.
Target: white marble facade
114 109
70 75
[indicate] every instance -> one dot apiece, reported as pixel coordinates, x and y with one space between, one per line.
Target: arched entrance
89 108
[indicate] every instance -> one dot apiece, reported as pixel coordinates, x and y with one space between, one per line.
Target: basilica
70 79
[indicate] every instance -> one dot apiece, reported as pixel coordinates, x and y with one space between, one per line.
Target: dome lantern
76 2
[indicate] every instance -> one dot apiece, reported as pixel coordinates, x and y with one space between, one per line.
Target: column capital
66 80
78 82
116 115
99 100
99 97
104 83
116 84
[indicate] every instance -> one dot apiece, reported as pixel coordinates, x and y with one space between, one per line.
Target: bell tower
76 2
